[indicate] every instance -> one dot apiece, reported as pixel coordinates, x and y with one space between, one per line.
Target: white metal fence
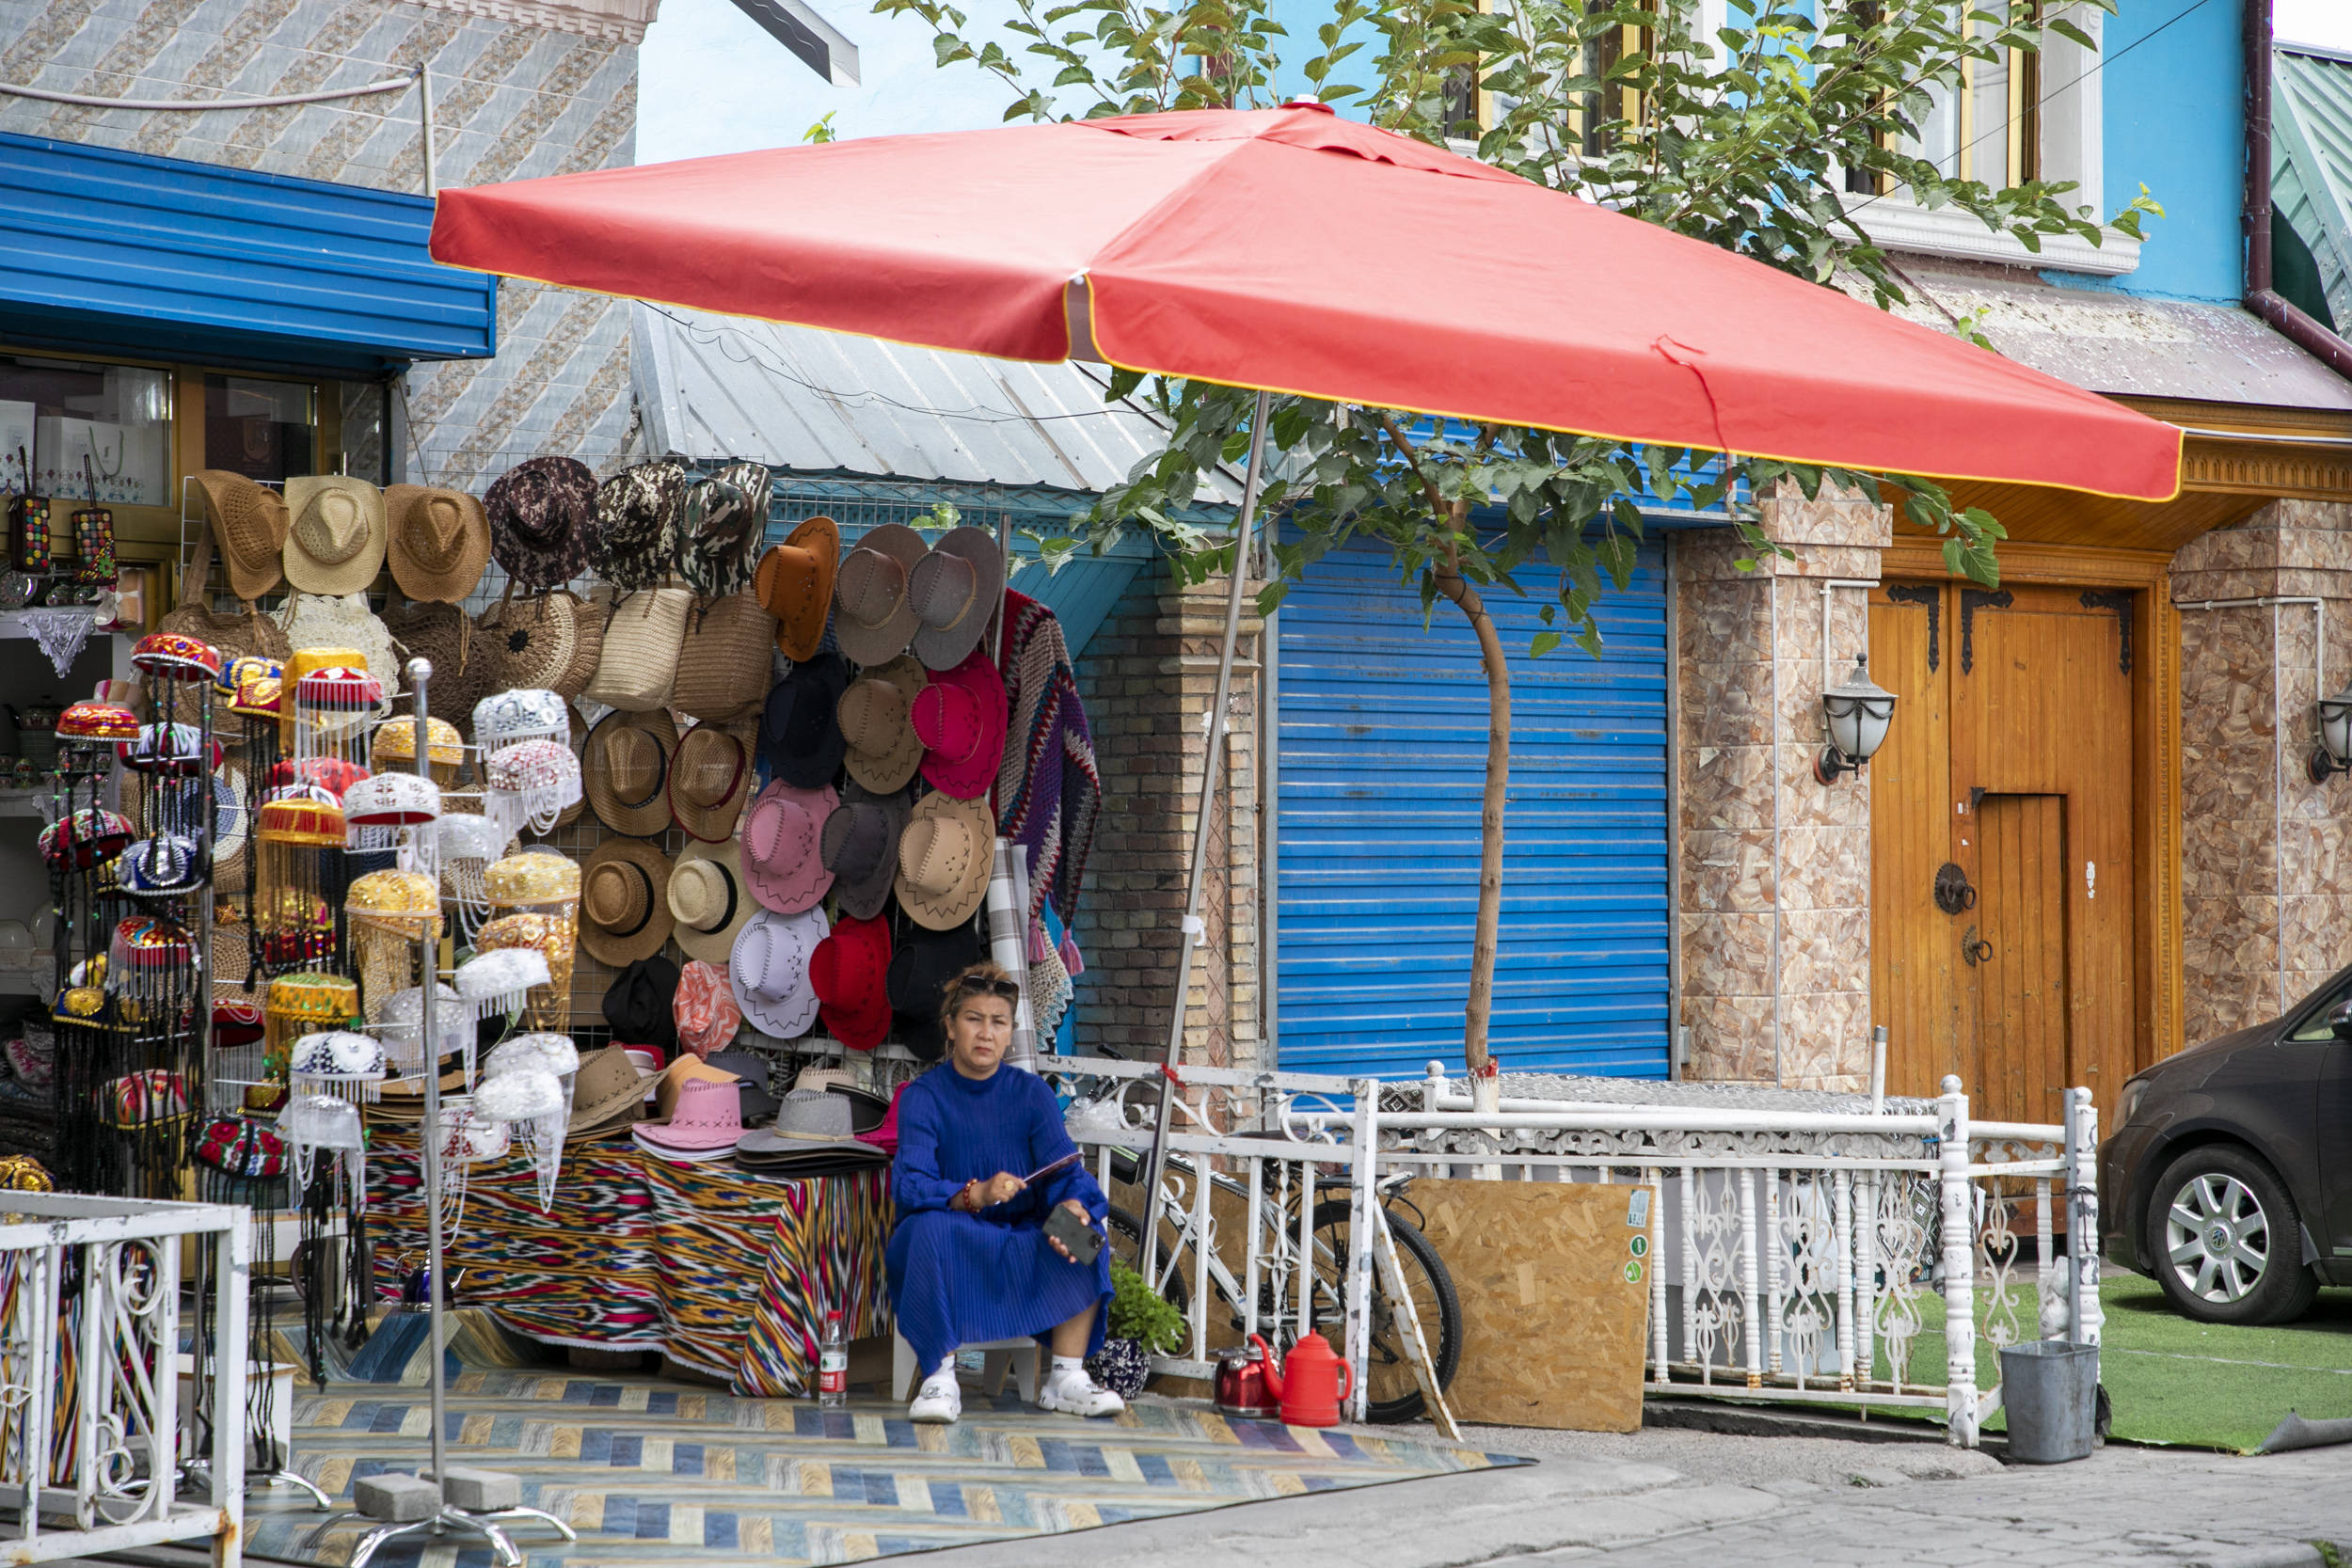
1801 1255
89 1341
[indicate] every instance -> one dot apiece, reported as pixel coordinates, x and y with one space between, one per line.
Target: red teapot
1241 1384
1311 1381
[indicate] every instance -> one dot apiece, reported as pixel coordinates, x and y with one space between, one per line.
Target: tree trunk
1484 1086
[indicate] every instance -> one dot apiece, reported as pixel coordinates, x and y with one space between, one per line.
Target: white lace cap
519 1096
501 981
391 801
525 713
554 1053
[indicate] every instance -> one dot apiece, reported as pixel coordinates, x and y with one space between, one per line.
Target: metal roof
712 386
2311 161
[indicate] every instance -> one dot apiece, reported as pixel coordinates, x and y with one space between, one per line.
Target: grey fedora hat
860 846
956 588
810 1121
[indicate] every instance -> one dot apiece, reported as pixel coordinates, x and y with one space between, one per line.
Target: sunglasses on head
1008 990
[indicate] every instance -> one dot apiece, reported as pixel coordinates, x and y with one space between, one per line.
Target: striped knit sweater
1049 791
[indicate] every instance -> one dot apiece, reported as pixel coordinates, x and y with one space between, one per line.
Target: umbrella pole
1190 935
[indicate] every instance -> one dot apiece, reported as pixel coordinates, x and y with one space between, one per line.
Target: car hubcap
2219 1238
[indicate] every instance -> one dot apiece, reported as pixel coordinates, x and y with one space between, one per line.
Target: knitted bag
545 642
642 635
726 660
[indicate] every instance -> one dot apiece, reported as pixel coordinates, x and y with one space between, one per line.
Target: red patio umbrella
1292 250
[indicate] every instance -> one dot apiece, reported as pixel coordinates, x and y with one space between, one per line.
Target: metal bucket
2050 1392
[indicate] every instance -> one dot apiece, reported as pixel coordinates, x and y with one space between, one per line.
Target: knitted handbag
639 660
725 660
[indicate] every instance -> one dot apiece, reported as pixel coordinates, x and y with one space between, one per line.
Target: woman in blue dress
970 1261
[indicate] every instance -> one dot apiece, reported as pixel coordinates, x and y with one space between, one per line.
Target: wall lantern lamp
2333 755
1858 711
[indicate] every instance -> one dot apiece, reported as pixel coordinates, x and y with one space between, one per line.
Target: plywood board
1554 1285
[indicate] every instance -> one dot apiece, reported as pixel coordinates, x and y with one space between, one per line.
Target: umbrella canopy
1292 250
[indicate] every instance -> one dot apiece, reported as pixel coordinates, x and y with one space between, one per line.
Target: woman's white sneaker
1075 1393
938 1402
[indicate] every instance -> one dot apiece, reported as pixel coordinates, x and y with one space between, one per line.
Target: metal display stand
420 1504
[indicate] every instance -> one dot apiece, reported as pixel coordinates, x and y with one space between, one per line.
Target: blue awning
168 258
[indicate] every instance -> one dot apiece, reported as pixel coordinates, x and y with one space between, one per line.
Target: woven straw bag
642 636
726 661
246 631
442 634
545 641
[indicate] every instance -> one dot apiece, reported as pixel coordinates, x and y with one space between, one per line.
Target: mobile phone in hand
1073 1231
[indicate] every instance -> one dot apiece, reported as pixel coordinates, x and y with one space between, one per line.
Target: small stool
1017 1355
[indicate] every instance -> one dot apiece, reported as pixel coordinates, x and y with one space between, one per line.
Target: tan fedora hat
710 779
873 615
876 717
711 900
438 540
607 1094
945 857
625 770
336 542
624 902
249 525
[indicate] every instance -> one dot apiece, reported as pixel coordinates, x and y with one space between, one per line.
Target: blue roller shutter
1382 752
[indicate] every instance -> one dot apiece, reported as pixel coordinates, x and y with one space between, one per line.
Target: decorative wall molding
1895 224
2256 468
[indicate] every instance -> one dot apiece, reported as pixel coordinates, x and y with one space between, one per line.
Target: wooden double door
2004 910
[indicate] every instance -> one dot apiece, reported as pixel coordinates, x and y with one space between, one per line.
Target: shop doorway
2006 929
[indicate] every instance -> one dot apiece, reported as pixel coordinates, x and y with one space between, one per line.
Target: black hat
799 738
638 1004
758 1104
921 964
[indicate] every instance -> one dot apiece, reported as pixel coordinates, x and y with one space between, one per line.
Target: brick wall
521 89
1148 677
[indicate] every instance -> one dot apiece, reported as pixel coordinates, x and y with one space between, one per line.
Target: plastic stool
1020 1357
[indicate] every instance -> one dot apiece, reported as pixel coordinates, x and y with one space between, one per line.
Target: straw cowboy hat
873 617
783 861
607 1094
877 718
956 588
249 526
710 779
624 902
795 581
769 970
543 520
709 900
438 540
336 542
945 857
625 770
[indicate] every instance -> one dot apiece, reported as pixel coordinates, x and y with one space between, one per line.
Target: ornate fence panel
90 1450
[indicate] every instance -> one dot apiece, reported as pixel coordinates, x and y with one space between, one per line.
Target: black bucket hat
543 520
638 1004
800 735
638 510
921 964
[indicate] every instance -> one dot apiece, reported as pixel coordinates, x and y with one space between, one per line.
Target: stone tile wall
1148 677
520 89
1774 871
2258 840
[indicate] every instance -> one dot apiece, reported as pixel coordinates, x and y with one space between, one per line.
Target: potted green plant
1141 1321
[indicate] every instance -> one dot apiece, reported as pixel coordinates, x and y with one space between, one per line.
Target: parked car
2228 1178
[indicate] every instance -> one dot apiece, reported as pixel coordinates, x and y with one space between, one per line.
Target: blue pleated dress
957 1279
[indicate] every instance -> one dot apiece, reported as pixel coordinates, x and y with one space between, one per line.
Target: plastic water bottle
832 1365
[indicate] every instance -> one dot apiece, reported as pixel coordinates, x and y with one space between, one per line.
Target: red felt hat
850 971
960 718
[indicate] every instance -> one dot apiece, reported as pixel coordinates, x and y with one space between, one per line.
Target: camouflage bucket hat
725 524
543 518
639 511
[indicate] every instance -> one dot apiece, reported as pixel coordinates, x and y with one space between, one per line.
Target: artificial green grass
2174 1381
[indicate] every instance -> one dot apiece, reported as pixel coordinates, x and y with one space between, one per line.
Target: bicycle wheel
1391 1394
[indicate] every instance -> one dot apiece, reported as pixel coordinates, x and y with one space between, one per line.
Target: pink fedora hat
783 836
709 1115
960 718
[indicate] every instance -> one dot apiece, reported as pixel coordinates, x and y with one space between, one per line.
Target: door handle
1973 949
1953 894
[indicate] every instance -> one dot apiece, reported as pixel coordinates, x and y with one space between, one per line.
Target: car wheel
2226 1241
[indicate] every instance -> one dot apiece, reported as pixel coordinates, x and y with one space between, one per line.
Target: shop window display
264 429
68 428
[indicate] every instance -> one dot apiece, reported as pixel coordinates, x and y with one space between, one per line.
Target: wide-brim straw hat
877 720
607 1093
795 581
710 779
624 902
543 520
551 641
335 542
726 660
957 588
709 900
437 541
873 615
624 771
945 858
248 525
